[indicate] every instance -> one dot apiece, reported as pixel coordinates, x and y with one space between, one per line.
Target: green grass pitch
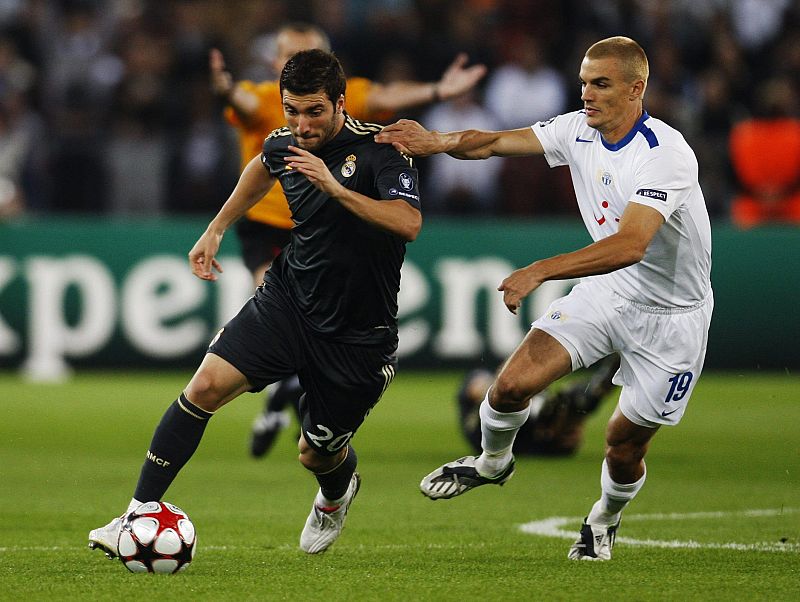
718 519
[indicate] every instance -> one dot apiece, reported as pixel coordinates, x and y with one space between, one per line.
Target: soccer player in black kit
327 309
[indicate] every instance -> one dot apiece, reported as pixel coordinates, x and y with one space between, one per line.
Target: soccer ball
157 537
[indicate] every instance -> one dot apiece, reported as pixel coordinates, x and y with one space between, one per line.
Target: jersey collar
637 127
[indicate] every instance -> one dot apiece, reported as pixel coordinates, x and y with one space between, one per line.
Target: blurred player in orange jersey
255 109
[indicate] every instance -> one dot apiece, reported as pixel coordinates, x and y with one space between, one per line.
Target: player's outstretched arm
409 137
253 184
244 103
637 227
455 81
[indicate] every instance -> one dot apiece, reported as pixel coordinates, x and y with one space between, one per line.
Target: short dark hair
310 71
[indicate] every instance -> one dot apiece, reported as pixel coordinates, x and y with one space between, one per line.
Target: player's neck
340 118
618 132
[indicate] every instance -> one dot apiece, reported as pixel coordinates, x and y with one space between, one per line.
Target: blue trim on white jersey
638 128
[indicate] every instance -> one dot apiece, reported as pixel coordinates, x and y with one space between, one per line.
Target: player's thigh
342 384
568 336
539 360
654 395
264 341
579 322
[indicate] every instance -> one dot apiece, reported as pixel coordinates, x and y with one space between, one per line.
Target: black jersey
342 273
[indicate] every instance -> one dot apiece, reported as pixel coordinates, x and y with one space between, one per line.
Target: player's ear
340 104
637 90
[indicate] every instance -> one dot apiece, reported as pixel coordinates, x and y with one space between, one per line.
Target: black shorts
260 242
267 341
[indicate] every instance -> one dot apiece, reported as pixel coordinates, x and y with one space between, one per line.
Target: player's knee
624 457
508 395
309 459
315 462
204 392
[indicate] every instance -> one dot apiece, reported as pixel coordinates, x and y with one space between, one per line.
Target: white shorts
661 349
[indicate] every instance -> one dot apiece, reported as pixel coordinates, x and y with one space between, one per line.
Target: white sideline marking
554 527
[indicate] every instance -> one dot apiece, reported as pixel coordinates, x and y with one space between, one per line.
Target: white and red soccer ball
157 537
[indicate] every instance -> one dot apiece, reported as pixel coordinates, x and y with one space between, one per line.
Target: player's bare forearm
601 257
598 258
253 184
400 95
471 144
411 138
615 252
395 216
478 144
455 81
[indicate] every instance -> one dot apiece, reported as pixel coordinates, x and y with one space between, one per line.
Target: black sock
334 483
175 440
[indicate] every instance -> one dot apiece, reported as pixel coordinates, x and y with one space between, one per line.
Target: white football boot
323 526
594 543
107 538
455 478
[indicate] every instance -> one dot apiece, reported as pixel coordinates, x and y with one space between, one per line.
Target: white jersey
654 166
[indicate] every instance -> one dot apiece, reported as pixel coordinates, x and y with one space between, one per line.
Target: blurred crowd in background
106 108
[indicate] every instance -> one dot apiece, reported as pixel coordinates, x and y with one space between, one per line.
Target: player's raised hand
313 168
409 137
458 79
221 79
201 257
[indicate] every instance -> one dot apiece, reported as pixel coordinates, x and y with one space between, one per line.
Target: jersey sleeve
554 135
396 178
269 158
664 180
264 118
356 96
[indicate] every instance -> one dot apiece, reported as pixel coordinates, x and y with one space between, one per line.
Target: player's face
290 43
312 118
612 104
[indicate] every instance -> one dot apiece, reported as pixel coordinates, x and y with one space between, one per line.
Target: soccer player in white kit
645 289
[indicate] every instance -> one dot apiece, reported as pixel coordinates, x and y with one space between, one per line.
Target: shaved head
632 59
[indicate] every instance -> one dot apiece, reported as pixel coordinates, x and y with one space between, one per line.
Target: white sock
613 498
498 430
133 505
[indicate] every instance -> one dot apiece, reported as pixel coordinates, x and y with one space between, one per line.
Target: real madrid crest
349 166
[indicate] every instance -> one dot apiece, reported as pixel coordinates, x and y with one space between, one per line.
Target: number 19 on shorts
679 386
